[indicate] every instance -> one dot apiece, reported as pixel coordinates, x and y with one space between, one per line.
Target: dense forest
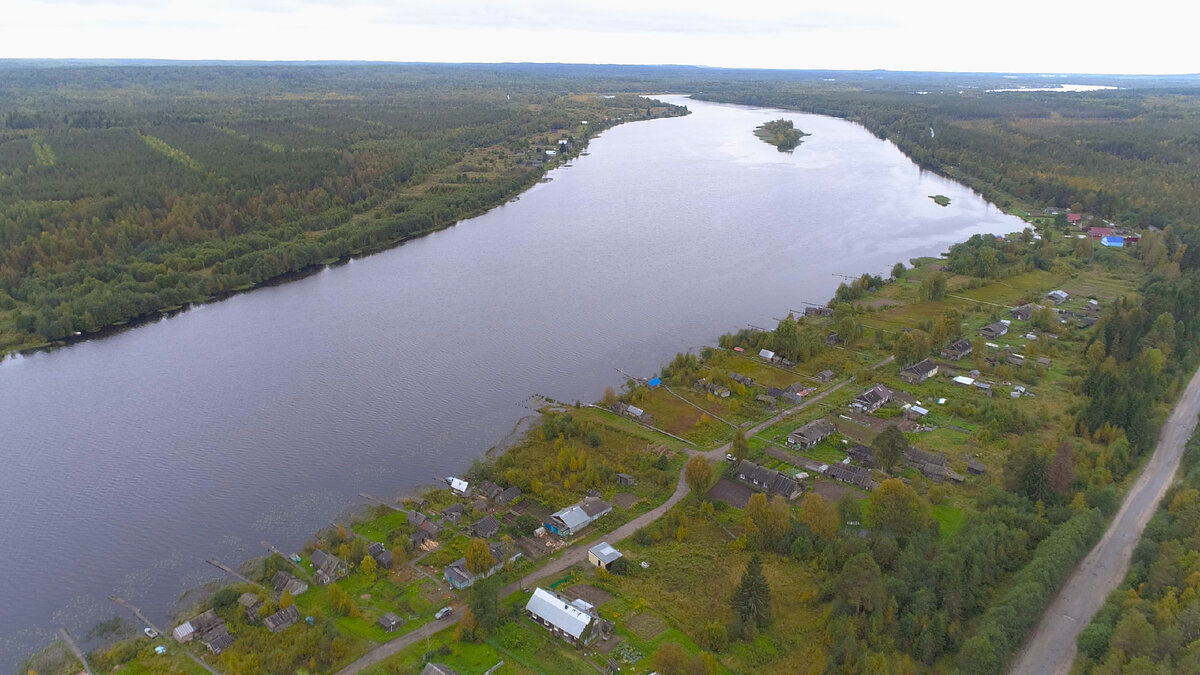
126 191
1151 625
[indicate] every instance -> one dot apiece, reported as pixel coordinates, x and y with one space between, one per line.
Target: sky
1153 36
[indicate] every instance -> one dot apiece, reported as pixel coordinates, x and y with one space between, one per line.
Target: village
587 532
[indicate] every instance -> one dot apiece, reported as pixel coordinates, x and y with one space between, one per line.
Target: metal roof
604 552
557 612
573 517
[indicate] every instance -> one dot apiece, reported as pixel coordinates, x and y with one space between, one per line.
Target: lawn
379 528
706 560
950 520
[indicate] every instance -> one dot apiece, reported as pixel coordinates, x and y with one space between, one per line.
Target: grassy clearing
950 520
378 529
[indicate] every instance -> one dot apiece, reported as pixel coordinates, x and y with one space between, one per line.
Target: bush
1093 640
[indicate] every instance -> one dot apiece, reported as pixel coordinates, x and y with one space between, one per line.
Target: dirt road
577 554
1050 649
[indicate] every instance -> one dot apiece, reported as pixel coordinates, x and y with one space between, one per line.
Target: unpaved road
577 554
1050 649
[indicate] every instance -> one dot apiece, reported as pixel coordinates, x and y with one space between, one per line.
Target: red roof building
1100 232
1074 217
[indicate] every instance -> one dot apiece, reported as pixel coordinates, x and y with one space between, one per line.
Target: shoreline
535 178
522 427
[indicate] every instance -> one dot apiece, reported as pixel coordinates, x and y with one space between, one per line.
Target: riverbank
515 176
582 449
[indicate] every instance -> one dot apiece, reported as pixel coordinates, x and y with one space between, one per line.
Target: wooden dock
379 501
270 547
66 638
231 572
136 612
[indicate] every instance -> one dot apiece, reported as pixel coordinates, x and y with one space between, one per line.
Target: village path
719 453
1050 649
574 555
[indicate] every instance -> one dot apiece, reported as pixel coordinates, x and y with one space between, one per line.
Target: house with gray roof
994 330
284 582
872 399
919 372
329 568
957 350
486 528
574 518
509 495
458 577
769 481
574 621
852 475
282 619
809 435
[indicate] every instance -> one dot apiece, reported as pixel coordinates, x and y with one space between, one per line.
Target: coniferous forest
131 190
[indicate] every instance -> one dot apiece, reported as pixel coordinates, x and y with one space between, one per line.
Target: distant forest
1128 155
130 190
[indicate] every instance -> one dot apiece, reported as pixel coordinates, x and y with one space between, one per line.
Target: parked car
150 633
444 612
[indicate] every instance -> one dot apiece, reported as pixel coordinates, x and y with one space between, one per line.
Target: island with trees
781 133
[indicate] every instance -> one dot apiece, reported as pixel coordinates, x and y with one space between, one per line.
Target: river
130 459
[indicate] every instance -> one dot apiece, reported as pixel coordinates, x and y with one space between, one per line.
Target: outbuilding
603 555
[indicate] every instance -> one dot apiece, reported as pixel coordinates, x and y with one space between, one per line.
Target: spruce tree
752 599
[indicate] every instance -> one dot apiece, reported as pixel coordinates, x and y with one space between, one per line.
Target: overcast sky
1152 36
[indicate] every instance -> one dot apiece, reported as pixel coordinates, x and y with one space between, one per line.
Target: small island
780 133
942 200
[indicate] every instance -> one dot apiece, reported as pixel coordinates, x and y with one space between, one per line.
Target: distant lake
130 459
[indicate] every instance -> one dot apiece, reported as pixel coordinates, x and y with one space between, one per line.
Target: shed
487 527
1113 241
825 376
284 582
390 622
250 603
489 489
453 512
976 467
767 354
510 493
282 619
184 632
603 555
1057 296
625 479
1022 313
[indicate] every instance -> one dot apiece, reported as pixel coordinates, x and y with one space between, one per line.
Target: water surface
128 460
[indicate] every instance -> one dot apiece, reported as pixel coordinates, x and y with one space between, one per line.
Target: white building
603 555
568 620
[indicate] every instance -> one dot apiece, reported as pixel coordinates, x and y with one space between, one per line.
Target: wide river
129 460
